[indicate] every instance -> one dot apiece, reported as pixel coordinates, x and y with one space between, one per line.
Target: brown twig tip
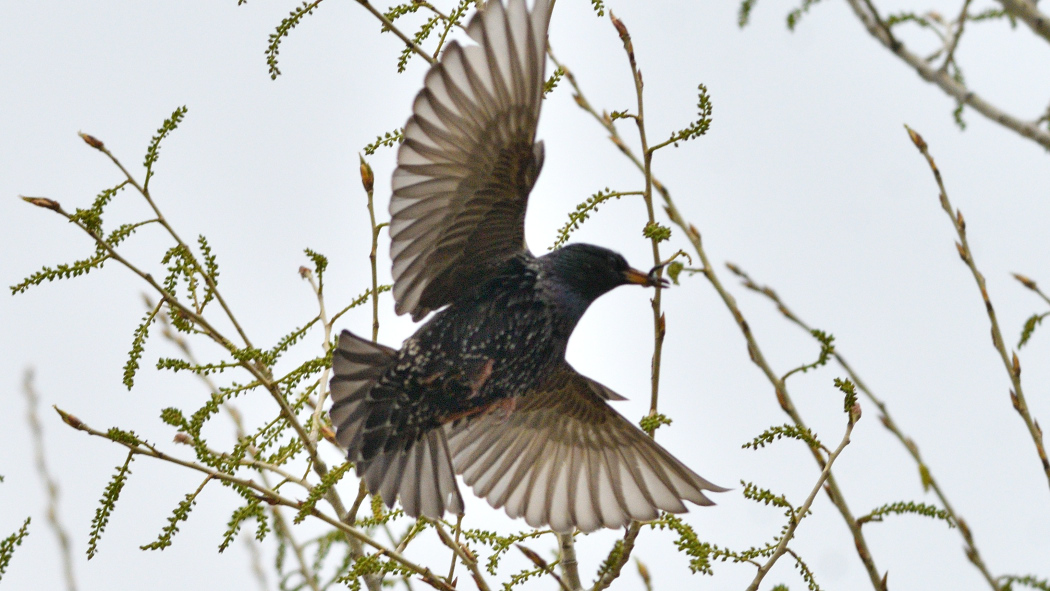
643 571
182 438
305 272
368 178
69 419
1025 281
92 141
42 202
621 28
532 555
916 139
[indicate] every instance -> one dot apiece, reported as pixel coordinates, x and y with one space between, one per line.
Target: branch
867 14
469 560
266 495
1026 11
613 573
570 568
693 235
800 513
387 24
1012 365
279 521
926 475
259 371
953 43
50 486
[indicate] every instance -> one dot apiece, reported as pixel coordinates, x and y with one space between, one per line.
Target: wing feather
565 459
469 159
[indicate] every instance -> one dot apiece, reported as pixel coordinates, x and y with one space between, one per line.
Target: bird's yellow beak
641 278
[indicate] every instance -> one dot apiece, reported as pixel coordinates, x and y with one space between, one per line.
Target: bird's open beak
649 279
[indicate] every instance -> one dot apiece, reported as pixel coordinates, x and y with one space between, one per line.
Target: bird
482 390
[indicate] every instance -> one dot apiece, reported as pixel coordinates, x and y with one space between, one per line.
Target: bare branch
1011 363
800 513
1026 11
50 486
867 14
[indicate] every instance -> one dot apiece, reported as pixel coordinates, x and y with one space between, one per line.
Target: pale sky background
806 179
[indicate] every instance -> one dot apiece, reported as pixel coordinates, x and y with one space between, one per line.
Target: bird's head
589 271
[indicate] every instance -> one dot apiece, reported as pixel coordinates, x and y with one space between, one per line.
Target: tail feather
357 365
419 470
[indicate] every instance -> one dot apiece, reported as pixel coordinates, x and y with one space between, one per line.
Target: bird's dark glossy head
589 271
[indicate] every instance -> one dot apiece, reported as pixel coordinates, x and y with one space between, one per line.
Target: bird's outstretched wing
564 458
469 159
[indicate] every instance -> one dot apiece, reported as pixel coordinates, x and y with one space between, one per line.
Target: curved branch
1027 12
867 14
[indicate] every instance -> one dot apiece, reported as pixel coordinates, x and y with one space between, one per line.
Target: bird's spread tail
413 466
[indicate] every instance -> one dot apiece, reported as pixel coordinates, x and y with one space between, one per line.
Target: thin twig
452 567
469 560
1026 11
693 235
659 321
1011 364
256 561
626 548
263 468
871 20
800 513
261 373
50 485
368 181
266 495
960 24
144 191
1030 284
388 25
326 343
926 474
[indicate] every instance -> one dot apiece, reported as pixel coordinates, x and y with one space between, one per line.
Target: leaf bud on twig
1025 281
43 202
367 177
92 141
916 139
69 419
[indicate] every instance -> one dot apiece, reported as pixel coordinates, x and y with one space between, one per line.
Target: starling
482 389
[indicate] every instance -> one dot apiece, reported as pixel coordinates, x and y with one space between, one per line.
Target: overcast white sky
806 179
